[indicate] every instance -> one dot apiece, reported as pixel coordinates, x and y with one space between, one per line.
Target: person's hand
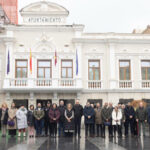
89 117
38 118
123 120
54 118
145 121
131 117
137 120
106 120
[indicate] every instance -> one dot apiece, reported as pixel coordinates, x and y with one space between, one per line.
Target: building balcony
125 84
42 84
94 84
145 83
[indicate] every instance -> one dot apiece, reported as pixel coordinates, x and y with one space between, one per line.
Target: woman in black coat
69 120
4 119
30 119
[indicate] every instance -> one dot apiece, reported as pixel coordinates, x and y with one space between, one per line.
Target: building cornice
117 91
114 40
74 27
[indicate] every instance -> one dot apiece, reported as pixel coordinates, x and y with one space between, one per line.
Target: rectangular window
21 68
67 69
44 69
94 69
145 69
124 70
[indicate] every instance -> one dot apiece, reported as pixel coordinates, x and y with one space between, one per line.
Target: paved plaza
68 143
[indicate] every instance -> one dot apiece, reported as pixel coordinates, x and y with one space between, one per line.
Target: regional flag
30 62
55 57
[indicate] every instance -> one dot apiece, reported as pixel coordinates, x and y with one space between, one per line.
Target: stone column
8 99
32 100
112 66
55 98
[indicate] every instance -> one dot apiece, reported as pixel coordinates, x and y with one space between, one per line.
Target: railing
43 82
67 82
125 84
18 82
146 84
94 84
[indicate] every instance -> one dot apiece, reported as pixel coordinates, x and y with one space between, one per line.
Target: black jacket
5 116
88 111
46 117
106 114
62 111
129 111
141 114
30 118
78 111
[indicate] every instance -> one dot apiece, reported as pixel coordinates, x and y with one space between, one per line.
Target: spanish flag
55 57
30 62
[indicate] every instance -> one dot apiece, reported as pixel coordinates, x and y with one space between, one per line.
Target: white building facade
112 67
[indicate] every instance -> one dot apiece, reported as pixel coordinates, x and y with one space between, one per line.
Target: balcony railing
43 82
18 82
67 82
145 84
94 84
40 82
125 84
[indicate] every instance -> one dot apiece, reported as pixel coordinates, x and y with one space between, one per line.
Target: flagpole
76 62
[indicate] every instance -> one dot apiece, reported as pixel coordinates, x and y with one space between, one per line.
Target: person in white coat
21 116
116 121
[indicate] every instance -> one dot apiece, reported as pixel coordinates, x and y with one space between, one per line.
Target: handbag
11 123
107 123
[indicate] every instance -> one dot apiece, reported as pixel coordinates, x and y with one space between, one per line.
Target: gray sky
105 15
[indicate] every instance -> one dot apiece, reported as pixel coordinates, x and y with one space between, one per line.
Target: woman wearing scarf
69 120
12 122
22 120
116 120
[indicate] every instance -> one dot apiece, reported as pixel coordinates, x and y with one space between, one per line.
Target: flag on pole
55 57
8 63
30 62
76 62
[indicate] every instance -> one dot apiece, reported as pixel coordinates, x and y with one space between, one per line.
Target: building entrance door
125 101
66 101
94 101
19 102
43 102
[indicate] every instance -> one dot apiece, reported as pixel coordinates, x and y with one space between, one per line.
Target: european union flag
8 63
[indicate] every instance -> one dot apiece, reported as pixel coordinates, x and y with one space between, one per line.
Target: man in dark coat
47 124
78 112
107 118
141 117
88 112
148 117
61 109
130 117
110 113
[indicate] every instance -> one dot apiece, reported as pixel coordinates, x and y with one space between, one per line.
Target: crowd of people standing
67 120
